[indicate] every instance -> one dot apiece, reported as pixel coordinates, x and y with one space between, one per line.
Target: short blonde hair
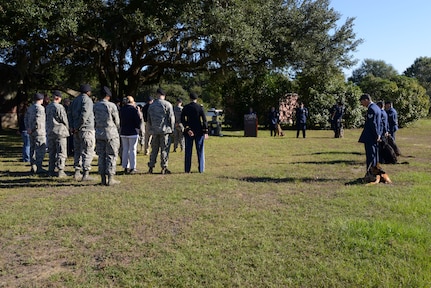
129 100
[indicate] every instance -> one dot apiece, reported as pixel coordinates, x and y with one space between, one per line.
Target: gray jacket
106 119
57 124
81 116
161 117
34 120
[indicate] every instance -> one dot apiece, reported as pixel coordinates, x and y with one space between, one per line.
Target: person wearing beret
35 124
161 120
107 124
81 124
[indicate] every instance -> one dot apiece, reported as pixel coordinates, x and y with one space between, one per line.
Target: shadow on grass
337 152
332 153
284 180
347 162
30 180
359 181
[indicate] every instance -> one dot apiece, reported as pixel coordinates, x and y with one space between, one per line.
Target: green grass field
267 212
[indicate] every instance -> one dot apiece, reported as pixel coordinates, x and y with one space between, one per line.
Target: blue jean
25 146
199 142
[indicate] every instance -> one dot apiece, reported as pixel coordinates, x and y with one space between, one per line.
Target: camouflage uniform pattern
161 120
34 120
57 127
179 129
81 121
107 123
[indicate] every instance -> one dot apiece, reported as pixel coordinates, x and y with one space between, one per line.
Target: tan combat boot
86 176
112 181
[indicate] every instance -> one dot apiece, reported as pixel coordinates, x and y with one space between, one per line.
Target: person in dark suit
372 132
392 118
195 125
301 119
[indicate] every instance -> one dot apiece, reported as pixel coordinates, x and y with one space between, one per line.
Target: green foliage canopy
124 44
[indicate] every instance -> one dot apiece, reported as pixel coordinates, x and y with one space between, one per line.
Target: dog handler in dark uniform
371 134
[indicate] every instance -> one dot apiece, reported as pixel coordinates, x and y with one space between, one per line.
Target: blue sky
396 32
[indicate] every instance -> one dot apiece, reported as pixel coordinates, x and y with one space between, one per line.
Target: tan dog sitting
376 175
279 131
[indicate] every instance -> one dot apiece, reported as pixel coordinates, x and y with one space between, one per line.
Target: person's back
81 113
107 120
392 119
161 120
56 120
194 118
35 119
161 117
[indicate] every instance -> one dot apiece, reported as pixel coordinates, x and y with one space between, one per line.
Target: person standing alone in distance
195 130
301 119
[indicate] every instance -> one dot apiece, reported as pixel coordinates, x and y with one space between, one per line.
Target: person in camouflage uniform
161 120
34 120
107 123
81 123
179 128
57 127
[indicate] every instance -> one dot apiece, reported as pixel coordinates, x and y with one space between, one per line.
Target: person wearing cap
107 124
161 119
147 135
129 134
35 124
179 128
57 127
392 118
371 134
195 130
81 124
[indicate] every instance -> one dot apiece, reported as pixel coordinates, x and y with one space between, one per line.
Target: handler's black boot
103 177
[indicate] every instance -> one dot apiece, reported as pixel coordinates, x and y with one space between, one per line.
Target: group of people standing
379 123
103 128
301 115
